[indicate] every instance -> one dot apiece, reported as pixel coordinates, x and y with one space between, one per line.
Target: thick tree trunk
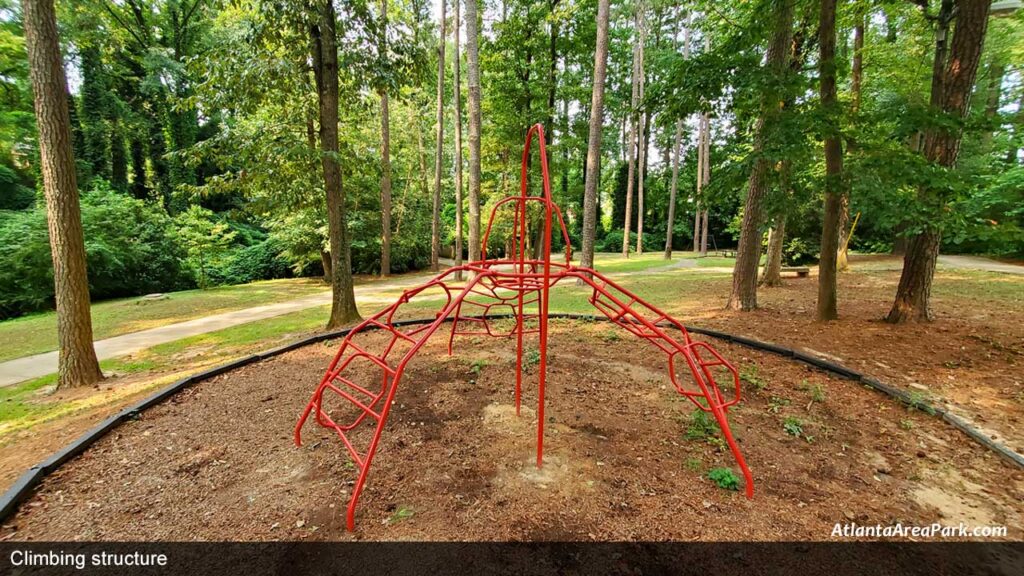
828 307
435 221
772 274
385 159
325 67
744 277
941 146
458 145
633 128
593 170
473 87
77 364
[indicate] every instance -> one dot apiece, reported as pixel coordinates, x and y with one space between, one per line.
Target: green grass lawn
612 263
37 333
675 291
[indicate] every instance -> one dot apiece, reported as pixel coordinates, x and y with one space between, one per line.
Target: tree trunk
435 222
325 260
996 71
118 158
138 153
857 80
593 170
705 174
325 67
772 275
828 307
941 147
744 277
645 134
677 151
77 364
633 126
700 184
385 159
473 87
458 145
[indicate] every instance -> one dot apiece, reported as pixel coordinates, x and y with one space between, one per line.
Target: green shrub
724 478
130 249
261 261
612 242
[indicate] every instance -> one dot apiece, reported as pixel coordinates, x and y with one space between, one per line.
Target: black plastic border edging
33 476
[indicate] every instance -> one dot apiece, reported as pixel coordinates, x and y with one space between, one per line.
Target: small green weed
749 375
776 404
793 426
701 426
402 513
724 478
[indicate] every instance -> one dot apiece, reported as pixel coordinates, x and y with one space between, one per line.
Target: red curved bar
515 282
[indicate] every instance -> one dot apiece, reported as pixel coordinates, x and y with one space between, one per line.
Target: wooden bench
799 271
727 253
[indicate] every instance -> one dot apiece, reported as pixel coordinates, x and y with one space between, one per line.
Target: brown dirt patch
216 462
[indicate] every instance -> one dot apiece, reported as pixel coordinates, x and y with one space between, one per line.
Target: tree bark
325 68
77 364
772 274
941 147
856 82
593 170
473 87
385 158
645 134
633 126
677 151
458 145
744 277
435 222
828 307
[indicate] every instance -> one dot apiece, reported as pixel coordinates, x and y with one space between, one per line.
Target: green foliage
724 478
701 426
613 242
130 249
749 374
793 426
532 357
14 194
261 261
206 241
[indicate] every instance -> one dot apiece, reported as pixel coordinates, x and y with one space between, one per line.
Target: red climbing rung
522 282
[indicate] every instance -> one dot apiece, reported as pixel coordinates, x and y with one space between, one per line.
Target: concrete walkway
979 263
30 367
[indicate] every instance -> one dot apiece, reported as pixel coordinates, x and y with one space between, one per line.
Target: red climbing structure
364 378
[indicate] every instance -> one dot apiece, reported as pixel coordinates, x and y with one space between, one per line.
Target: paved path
979 263
30 367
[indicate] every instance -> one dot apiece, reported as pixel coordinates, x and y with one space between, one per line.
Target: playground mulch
623 458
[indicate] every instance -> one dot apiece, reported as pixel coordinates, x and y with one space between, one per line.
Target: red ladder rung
355 401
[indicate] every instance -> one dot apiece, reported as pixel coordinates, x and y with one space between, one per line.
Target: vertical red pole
545 292
521 236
